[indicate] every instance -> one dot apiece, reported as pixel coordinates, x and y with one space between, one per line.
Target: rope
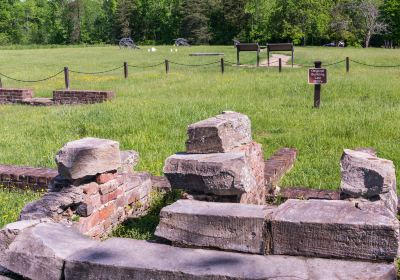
334 63
32 81
194 65
378 66
95 73
149 66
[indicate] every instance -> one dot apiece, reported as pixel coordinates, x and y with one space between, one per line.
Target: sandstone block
335 229
39 252
88 157
221 174
219 134
226 226
239 173
367 176
52 204
117 258
129 160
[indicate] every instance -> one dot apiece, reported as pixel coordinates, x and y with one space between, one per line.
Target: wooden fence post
66 77
317 88
126 70
167 66
280 65
347 64
222 66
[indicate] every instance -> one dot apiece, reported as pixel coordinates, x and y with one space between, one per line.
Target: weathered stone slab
88 157
38 252
335 229
367 176
227 226
129 159
52 204
219 134
220 174
134 259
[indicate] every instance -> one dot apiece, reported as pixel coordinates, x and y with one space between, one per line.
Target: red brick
105 177
91 188
107 211
109 187
111 196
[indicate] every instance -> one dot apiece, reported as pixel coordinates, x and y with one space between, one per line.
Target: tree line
305 22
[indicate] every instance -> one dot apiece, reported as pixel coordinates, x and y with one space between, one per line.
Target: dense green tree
391 15
201 21
300 21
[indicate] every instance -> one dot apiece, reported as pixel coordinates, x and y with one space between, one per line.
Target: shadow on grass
143 228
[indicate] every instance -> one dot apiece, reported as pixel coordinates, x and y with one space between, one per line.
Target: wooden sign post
317 76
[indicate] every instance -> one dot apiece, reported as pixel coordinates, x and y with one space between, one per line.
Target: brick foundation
13 95
26 177
81 96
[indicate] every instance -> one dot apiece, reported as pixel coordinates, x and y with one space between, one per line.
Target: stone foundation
60 97
13 95
81 96
21 177
96 189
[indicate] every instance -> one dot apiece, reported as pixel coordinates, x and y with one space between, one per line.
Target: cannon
127 43
181 42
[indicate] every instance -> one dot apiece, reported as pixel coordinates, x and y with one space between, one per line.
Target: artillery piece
182 42
125 43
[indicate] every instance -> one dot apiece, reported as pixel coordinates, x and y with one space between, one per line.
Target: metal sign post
317 77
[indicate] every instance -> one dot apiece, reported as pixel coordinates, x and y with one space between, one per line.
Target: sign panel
317 76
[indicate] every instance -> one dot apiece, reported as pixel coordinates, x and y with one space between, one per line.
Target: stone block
367 176
226 226
38 252
238 173
335 229
136 259
219 134
88 157
129 160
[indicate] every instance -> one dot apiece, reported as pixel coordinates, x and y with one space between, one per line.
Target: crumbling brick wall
13 95
81 96
96 188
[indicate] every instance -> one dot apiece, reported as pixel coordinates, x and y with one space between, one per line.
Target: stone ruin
96 188
223 229
60 97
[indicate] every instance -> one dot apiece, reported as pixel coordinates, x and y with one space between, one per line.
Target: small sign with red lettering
317 76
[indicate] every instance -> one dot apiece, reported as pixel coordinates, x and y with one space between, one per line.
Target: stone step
335 229
134 259
226 226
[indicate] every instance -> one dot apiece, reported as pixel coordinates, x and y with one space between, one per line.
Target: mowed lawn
152 109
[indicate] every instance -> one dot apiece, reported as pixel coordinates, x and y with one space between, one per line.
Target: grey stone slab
119 259
38 252
365 175
335 229
226 226
220 174
219 134
88 157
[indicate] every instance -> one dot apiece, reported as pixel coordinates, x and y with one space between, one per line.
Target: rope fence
222 64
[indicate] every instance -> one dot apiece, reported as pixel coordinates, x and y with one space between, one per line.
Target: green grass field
152 109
